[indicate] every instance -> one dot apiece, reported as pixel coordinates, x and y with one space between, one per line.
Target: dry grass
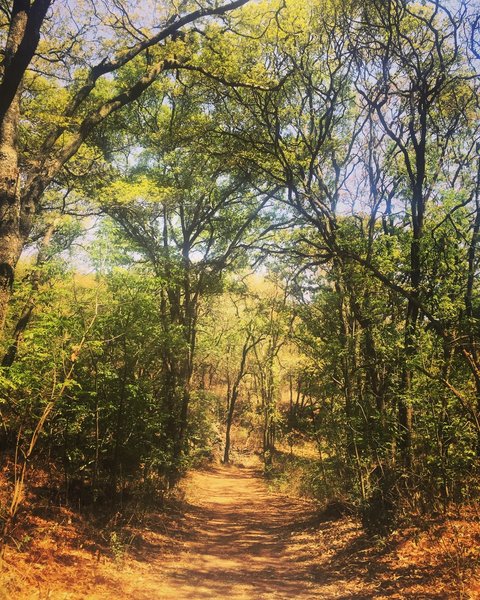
232 538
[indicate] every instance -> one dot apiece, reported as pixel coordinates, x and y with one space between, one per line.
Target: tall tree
26 173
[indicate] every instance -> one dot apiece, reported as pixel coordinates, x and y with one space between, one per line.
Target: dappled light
239 299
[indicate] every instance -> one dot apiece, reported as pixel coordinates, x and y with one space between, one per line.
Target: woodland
240 227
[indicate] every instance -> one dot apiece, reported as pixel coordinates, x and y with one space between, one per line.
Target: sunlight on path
240 545
235 541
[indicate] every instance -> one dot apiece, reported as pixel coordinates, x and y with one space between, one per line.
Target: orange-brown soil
237 541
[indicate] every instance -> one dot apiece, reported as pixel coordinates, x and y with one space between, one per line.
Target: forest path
241 542
232 540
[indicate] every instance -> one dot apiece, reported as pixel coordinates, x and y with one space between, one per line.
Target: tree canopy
250 216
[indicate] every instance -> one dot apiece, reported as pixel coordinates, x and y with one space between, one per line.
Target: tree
359 134
85 101
245 340
192 221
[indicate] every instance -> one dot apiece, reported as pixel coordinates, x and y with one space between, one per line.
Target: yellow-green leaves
135 189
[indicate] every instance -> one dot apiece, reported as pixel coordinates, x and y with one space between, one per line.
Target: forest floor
235 540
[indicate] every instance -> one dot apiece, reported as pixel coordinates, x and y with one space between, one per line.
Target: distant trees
373 135
192 220
243 338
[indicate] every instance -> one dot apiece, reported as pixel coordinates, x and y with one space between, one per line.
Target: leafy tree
90 81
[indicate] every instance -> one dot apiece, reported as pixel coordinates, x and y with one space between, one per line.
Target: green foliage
330 146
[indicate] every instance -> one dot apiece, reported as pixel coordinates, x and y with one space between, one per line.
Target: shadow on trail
240 542
237 541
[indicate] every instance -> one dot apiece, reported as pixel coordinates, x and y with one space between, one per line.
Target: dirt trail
243 542
234 540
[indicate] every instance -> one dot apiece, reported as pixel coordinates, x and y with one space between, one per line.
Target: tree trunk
11 242
235 391
405 409
230 413
35 281
15 212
